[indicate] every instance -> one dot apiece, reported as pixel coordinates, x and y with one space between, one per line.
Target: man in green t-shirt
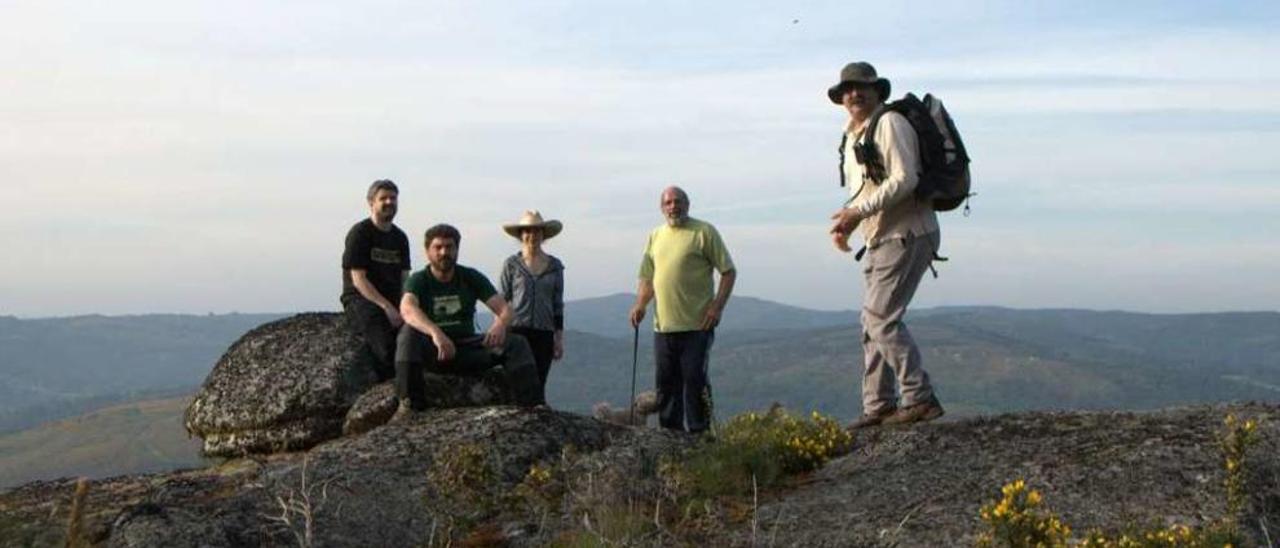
439 335
676 270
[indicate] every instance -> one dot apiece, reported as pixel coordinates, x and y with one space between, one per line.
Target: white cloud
201 158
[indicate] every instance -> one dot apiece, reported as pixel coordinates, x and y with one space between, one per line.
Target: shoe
871 420
403 411
921 412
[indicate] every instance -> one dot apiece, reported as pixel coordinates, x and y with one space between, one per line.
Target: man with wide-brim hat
533 219
900 236
862 73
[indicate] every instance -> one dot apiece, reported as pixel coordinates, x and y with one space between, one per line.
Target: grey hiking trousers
893 271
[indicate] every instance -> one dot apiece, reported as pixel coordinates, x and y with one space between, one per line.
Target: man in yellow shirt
677 271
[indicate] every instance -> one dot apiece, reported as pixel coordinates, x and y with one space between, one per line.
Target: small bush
1175 536
1017 521
1235 440
755 450
463 478
542 490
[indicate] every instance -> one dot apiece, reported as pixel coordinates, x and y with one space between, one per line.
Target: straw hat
533 219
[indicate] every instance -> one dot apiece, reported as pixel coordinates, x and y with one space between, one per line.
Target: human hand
393 316
845 220
496 336
557 350
636 316
444 347
841 241
712 317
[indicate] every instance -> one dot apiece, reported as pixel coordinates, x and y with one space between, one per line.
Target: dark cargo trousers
371 323
684 391
416 353
893 271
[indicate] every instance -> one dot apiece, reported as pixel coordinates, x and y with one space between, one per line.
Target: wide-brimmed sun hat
533 219
860 72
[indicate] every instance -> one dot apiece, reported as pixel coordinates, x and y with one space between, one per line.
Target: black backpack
944 163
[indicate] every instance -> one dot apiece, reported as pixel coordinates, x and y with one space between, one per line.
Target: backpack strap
844 141
865 150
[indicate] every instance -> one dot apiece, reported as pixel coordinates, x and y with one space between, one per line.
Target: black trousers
416 353
543 344
371 323
684 391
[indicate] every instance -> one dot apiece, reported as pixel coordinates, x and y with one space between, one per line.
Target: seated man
439 335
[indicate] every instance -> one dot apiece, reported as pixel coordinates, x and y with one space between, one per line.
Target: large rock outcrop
290 384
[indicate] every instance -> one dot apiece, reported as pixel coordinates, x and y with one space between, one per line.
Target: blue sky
209 157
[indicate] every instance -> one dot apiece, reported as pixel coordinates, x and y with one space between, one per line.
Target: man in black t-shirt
439 333
374 265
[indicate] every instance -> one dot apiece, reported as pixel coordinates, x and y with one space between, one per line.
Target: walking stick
635 359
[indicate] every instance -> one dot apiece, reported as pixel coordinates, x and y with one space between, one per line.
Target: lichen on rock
293 383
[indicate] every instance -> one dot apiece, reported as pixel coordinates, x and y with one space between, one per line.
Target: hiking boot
924 411
867 420
403 411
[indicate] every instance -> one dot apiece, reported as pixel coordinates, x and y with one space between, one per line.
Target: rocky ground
914 486
924 485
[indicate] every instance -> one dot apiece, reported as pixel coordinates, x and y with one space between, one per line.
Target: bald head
675 205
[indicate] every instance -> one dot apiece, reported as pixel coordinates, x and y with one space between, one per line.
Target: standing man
374 265
901 237
677 271
439 335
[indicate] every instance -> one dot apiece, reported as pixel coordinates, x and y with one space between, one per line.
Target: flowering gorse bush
800 444
1175 536
542 488
756 450
1236 438
1017 520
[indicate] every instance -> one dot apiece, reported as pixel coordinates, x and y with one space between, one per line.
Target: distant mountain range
982 360
607 316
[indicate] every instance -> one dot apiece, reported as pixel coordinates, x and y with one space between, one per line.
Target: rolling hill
982 360
124 439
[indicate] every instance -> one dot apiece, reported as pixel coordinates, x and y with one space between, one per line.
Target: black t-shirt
382 255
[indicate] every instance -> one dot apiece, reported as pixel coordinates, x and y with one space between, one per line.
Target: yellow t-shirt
678 260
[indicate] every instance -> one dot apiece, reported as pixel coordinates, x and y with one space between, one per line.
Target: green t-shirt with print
451 305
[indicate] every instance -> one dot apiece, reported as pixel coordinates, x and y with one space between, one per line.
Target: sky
202 157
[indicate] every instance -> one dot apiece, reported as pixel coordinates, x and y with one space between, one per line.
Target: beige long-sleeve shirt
889 209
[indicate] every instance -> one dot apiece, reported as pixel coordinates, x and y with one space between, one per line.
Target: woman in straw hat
533 285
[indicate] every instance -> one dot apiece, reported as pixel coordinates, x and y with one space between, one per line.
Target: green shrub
1218 535
1235 440
756 451
463 479
1017 521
